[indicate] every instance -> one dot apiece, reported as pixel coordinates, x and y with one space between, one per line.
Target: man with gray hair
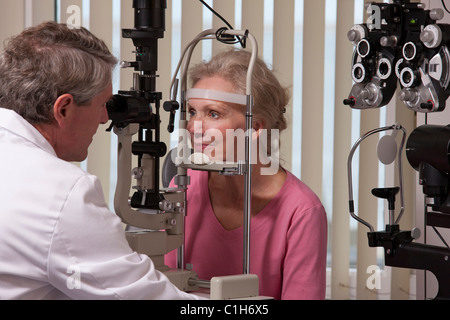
58 239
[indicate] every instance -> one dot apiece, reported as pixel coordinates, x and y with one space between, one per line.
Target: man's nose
104 117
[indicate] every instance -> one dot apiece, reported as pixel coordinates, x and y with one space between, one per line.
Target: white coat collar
14 123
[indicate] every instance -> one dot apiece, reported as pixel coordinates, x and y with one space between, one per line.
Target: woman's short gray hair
270 98
47 61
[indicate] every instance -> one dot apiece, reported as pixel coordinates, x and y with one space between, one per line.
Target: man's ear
62 107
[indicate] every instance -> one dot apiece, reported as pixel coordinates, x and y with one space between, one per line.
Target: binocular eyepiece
150 14
126 109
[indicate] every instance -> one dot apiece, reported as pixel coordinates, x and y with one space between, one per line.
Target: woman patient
288 222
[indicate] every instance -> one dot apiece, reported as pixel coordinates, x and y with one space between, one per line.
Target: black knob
387 193
172 107
350 102
427 105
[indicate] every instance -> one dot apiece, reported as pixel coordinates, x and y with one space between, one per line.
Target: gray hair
270 98
47 61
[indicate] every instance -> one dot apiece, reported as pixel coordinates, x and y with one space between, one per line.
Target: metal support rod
248 186
200 283
400 174
183 69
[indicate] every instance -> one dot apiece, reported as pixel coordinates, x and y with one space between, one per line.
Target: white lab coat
58 239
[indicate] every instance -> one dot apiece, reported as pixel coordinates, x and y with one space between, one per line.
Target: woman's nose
196 127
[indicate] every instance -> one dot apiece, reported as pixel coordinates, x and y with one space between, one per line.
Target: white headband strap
217 96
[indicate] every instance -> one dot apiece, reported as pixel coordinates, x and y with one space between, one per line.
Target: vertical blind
305 43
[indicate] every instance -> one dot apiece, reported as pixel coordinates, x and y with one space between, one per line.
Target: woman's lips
202 146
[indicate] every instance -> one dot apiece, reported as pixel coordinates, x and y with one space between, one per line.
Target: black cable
445 7
217 14
440 237
224 38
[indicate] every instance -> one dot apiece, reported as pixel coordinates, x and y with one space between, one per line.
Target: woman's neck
228 198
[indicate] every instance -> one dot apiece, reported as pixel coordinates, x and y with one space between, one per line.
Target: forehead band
217 96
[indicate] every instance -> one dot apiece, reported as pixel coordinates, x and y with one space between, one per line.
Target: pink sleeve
305 264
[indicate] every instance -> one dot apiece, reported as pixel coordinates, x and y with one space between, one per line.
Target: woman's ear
258 127
62 107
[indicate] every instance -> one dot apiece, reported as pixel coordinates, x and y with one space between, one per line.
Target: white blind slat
283 62
313 86
340 241
12 19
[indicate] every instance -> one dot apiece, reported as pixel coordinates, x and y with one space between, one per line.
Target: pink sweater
288 241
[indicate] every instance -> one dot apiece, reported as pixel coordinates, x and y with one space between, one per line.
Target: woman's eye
191 113
214 115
